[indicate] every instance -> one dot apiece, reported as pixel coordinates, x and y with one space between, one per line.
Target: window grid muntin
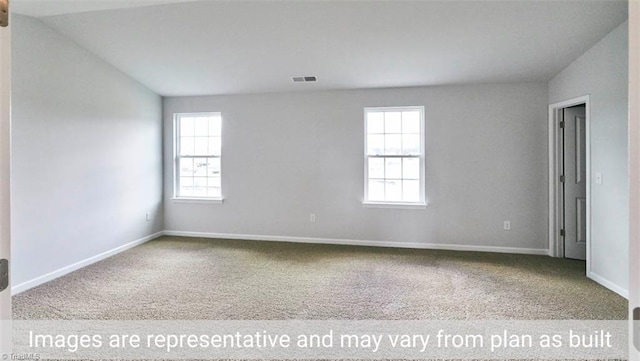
212 182
401 133
402 154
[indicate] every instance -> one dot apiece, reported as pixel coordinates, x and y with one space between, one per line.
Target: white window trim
176 159
197 200
367 204
422 204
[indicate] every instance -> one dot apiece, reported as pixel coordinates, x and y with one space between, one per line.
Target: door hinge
562 124
4 13
562 233
636 328
4 274
561 179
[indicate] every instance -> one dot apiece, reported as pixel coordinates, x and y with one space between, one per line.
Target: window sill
367 204
197 200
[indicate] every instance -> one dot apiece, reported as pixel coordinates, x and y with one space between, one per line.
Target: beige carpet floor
190 278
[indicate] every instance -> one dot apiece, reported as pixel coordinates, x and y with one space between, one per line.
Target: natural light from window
198 155
394 155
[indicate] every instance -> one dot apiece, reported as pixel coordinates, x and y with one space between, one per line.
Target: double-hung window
198 154
394 156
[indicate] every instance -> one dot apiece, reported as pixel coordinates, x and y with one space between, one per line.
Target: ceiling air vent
304 79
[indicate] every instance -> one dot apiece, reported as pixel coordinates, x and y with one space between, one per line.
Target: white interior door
5 138
575 182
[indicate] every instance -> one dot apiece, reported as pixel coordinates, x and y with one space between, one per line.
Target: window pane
375 122
393 190
200 191
200 165
393 168
202 126
215 125
375 144
411 168
214 182
186 145
411 144
186 167
201 146
392 144
215 145
411 191
186 126
376 190
186 186
392 122
215 192
214 167
411 122
200 182
186 191
376 167
394 139
200 187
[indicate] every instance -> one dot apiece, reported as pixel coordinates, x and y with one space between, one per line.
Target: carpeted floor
190 278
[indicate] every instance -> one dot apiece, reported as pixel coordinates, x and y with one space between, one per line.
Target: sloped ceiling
229 47
40 8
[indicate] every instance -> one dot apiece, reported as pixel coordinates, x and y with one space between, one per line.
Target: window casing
198 156
394 156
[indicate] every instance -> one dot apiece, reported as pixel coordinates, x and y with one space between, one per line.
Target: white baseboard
354 242
608 284
76 266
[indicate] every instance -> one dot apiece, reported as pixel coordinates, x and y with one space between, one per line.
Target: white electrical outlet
507 225
148 217
598 178
312 217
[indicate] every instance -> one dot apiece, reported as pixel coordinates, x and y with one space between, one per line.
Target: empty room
278 179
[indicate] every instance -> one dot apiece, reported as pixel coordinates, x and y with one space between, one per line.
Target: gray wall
602 72
288 155
86 161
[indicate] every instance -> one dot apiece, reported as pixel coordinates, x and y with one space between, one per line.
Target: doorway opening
569 179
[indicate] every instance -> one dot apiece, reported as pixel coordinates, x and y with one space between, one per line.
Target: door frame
5 179
634 177
556 243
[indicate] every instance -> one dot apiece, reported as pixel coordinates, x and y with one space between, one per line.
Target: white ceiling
40 8
229 47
